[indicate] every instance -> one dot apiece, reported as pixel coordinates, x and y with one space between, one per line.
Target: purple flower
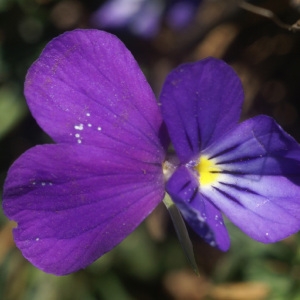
141 17
77 199
144 17
250 171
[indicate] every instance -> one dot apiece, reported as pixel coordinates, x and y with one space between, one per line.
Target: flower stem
181 232
270 15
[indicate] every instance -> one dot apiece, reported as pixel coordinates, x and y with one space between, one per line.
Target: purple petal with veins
201 214
76 200
200 102
257 184
73 204
86 88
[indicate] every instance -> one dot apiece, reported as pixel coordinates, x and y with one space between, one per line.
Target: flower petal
87 88
205 219
200 102
73 204
258 185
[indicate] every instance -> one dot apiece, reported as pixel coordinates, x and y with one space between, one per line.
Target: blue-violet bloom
75 200
144 17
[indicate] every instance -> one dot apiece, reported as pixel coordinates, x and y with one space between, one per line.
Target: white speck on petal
89 125
77 135
88 114
79 127
33 183
213 243
50 183
37 239
43 183
267 233
99 128
79 141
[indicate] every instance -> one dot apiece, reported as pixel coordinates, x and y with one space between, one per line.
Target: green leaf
12 108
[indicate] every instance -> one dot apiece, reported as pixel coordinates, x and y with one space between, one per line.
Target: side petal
203 217
258 179
73 204
200 102
87 88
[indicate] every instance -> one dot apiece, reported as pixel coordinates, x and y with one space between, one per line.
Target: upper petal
87 88
200 102
73 204
258 182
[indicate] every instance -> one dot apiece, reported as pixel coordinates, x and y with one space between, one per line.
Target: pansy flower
144 17
76 199
250 170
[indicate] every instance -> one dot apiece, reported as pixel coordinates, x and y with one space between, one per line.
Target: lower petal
205 219
73 204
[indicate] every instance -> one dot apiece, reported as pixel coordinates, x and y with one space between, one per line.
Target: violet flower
140 17
77 199
144 17
250 171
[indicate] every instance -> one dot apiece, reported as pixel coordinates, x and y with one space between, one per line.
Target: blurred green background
150 263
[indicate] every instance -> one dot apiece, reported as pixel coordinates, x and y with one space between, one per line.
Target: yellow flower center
208 172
